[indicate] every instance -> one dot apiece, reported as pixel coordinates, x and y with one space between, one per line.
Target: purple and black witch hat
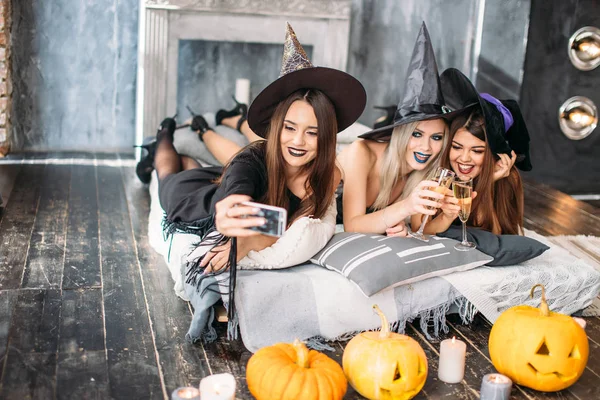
504 124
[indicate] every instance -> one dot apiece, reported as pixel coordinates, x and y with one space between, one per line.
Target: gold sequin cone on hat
294 56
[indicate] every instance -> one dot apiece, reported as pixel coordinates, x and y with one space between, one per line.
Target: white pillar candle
242 90
218 387
452 360
495 387
185 393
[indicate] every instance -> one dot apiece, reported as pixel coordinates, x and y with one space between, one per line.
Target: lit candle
495 387
452 360
185 393
218 387
242 90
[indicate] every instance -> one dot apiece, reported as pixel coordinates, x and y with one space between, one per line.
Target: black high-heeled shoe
239 109
199 125
386 119
145 166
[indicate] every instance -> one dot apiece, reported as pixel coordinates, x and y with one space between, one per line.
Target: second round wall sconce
578 117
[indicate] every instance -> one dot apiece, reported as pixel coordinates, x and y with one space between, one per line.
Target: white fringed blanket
311 302
315 304
572 284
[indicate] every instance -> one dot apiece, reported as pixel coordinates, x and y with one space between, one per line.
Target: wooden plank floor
87 308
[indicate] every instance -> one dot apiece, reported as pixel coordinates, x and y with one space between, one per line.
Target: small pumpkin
384 364
538 348
291 371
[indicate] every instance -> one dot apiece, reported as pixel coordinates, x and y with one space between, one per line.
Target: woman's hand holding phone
229 213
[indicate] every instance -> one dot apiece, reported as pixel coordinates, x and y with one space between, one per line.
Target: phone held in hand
276 218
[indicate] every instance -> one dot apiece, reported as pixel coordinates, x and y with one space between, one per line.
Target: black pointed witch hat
422 97
504 124
297 72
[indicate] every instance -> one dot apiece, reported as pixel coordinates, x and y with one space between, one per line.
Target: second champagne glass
444 177
463 192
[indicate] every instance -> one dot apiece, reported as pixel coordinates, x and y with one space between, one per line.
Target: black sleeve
245 175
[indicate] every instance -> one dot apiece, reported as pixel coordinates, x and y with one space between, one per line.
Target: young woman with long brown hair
487 144
299 116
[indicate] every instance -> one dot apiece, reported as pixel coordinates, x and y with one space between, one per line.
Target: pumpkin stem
301 354
385 326
544 309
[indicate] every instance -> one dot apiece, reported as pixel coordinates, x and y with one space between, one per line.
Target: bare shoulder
359 152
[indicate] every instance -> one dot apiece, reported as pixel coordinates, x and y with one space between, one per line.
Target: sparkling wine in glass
463 192
444 177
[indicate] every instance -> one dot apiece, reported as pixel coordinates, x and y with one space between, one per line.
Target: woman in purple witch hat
383 174
487 144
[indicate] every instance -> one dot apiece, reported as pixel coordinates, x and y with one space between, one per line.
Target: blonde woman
383 174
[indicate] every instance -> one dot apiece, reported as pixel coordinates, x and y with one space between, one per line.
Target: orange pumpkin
538 348
384 364
291 371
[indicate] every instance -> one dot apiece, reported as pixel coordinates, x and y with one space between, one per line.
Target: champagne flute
444 177
463 192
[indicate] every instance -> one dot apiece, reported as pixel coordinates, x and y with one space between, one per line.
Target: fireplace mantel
322 24
312 8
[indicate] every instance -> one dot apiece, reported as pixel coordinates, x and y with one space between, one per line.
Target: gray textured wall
503 46
207 72
75 64
74 70
504 33
382 36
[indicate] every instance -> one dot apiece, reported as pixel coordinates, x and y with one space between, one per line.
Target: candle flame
188 393
498 378
453 339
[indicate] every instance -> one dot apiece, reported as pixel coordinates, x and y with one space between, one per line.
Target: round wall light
578 117
584 48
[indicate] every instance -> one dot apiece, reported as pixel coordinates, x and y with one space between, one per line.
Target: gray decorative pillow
376 262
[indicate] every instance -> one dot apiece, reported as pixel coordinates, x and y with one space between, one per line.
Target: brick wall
5 81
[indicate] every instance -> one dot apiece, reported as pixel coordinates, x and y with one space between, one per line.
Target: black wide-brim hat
345 92
422 97
297 72
423 113
460 93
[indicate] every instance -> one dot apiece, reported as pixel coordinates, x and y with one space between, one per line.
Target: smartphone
276 218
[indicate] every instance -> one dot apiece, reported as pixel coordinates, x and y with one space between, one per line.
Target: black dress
189 197
339 200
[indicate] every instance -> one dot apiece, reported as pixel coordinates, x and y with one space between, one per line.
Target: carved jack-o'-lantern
537 348
384 364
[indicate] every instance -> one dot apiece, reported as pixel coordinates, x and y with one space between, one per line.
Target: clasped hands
425 200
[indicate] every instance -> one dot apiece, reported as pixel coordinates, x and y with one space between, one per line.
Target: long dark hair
499 206
320 171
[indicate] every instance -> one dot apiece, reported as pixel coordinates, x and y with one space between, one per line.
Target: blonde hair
395 167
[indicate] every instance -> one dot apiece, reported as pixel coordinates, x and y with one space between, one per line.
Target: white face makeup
467 154
425 143
299 135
